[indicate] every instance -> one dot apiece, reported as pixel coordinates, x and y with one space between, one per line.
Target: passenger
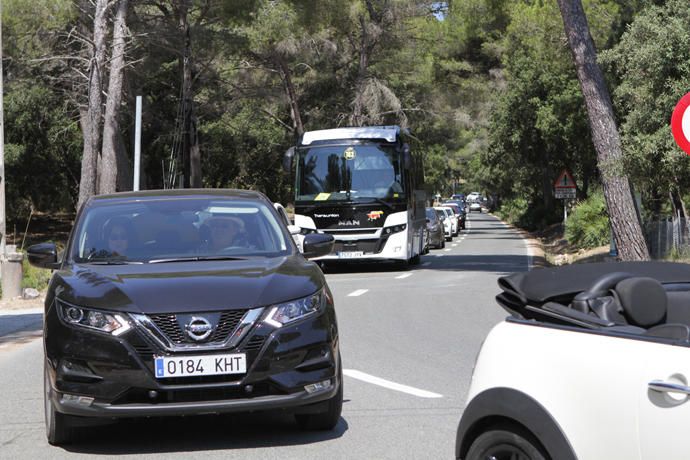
119 233
225 232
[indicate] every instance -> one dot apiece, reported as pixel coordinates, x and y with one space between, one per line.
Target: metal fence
667 237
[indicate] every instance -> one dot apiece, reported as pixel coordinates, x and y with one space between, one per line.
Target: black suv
186 302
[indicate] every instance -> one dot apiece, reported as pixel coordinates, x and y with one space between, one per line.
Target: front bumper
98 375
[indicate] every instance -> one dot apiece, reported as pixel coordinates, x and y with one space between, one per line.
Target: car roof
180 193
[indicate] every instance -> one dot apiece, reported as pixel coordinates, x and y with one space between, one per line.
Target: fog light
77 400
248 389
153 394
318 386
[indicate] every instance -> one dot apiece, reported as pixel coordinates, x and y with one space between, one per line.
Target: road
408 343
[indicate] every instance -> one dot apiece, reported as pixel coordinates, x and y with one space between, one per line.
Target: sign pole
137 144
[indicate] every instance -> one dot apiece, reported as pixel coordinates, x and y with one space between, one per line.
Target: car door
664 403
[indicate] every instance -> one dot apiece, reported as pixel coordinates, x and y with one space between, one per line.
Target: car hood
188 286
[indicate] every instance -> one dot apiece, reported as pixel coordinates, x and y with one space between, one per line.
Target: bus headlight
394 229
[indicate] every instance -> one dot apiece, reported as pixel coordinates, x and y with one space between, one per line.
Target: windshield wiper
194 259
114 262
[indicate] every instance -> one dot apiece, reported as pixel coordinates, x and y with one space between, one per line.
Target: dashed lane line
355 374
426 264
402 277
357 293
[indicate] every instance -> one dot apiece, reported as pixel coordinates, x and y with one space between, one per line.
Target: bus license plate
187 366
350 254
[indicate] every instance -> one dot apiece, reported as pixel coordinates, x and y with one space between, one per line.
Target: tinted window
344 172
188 227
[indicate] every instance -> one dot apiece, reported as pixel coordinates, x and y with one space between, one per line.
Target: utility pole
3 224
10 267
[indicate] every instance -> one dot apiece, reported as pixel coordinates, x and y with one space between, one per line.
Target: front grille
255 343
169 325
365 245
141 395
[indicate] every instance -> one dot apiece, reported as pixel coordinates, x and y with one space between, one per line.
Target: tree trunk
191 156
292 97
109 164
357 119
91 118
624 222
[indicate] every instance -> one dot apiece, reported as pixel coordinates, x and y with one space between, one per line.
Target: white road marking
402 277
426 264
455 244
446 250
357 293
355 374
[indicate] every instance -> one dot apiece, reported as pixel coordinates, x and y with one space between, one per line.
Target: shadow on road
191 434
496 263
20 327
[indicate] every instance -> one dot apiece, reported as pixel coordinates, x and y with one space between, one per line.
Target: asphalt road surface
408 342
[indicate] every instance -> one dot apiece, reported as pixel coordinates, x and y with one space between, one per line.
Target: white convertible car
592 363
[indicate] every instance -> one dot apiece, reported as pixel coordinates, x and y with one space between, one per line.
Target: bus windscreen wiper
378 200
193 259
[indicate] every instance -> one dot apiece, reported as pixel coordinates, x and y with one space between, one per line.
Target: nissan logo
198 328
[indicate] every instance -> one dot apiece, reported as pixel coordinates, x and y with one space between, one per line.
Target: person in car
119 233
226 232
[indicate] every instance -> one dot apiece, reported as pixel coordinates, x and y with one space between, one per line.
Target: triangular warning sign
565 180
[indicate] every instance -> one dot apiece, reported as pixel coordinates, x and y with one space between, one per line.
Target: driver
224 232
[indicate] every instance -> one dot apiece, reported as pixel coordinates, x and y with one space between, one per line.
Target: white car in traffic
444 214
450 217
592 363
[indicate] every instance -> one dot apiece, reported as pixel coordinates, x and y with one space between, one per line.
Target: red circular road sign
680 123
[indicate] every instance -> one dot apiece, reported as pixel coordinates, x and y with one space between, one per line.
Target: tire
443 243
505 444
59 429
415 260
328 419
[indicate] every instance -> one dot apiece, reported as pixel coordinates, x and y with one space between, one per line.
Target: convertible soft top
542 285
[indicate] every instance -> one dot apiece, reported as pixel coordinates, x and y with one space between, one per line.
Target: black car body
172 328
434 229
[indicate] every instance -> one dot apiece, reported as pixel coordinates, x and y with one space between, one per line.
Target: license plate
187 366
350 254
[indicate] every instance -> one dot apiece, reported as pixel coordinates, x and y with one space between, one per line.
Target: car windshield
441 215
431 215
167 230
347 172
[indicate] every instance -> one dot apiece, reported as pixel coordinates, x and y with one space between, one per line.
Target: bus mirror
287 159
407 156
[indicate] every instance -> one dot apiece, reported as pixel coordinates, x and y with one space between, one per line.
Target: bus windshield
349 172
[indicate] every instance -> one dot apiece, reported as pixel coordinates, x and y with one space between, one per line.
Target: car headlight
108 322
288 312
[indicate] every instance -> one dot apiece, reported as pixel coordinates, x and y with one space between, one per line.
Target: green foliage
588 224
37 278
652 62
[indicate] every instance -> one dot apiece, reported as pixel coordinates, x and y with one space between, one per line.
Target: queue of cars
443 223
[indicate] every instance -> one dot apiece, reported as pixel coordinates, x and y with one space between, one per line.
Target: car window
160 229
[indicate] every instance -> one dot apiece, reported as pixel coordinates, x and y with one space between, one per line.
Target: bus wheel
415 260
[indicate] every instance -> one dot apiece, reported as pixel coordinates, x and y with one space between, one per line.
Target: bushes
36 278
588 224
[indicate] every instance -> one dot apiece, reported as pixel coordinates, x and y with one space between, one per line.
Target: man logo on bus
374 215
349 153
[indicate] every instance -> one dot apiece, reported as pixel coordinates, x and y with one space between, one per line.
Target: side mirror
317 245
43 255
294 229
407 156
287 159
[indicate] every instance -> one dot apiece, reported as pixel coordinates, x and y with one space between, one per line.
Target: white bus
363 186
